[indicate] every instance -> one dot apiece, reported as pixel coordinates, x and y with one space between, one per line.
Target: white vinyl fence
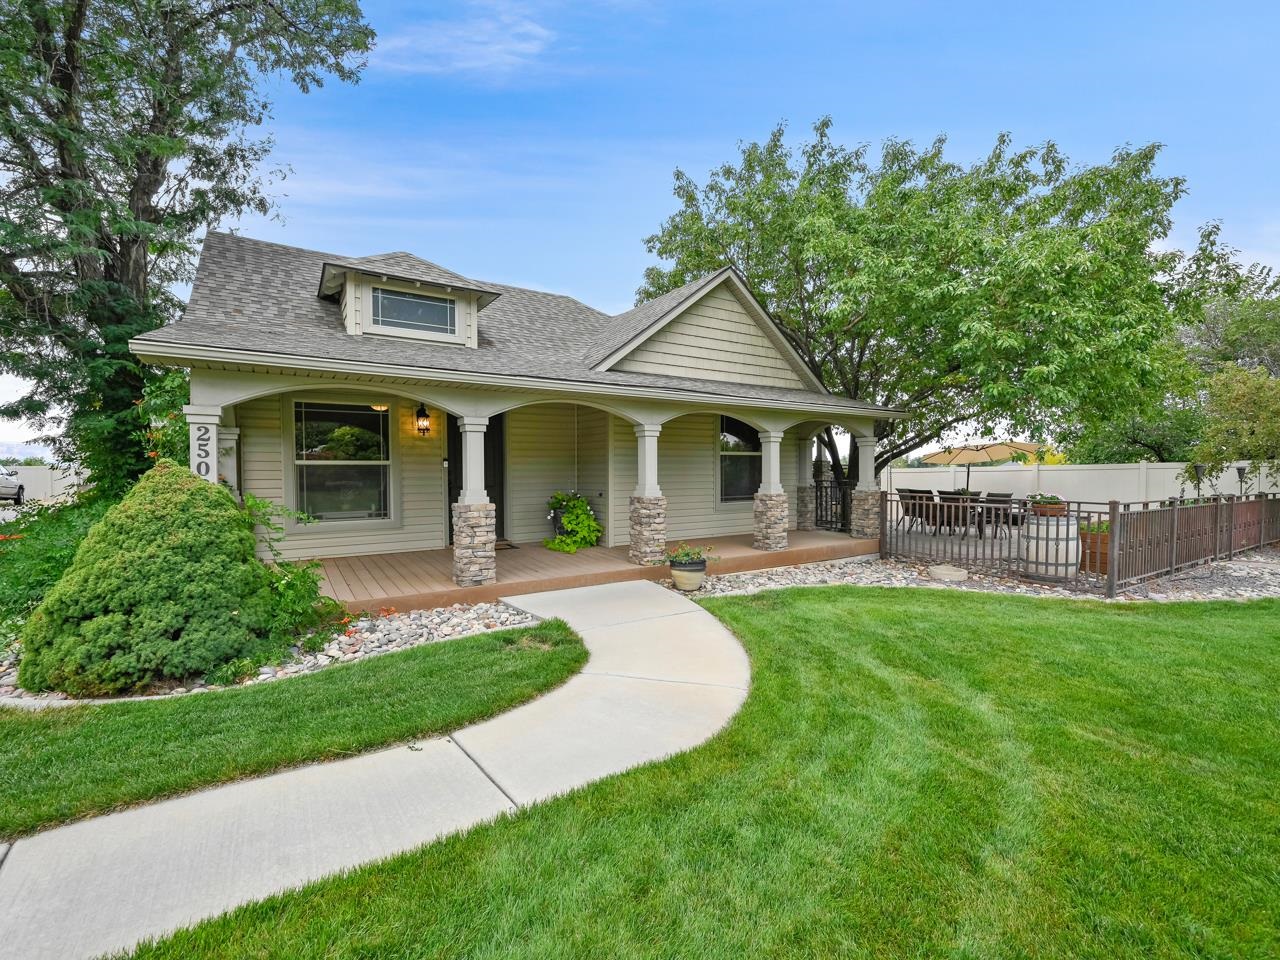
48 483
1095 483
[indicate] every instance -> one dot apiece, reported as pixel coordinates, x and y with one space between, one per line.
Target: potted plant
1047 505
1095 541
573 521
688 566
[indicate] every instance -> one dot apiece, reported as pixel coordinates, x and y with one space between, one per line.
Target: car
11 486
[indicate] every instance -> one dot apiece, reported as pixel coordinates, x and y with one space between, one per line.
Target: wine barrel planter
1049 547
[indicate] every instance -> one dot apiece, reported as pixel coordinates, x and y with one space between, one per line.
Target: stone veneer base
475 538
864 514
806 508
648 531
770 513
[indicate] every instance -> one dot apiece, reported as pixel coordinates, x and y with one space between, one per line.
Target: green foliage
23 462
124 134
164 431
683 553
1243 420
166 585
581 528
35 550
1008 296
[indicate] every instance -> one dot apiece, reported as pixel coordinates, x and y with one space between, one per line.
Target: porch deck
421 579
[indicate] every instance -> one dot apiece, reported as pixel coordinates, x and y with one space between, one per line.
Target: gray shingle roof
406 266
627 326
251 295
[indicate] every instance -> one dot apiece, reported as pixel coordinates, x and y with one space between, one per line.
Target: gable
715 338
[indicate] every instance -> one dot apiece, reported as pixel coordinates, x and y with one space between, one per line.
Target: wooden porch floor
424 578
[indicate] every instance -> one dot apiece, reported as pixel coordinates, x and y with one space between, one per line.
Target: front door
495 466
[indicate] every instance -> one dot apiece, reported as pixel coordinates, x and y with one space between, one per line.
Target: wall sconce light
422 419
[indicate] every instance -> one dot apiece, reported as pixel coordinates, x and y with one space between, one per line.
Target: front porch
424 578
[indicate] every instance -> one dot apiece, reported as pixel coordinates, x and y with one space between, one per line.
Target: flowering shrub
578 523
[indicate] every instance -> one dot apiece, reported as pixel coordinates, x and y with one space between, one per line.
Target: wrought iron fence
1097 546
831 505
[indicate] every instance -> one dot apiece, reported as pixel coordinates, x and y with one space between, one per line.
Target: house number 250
203 449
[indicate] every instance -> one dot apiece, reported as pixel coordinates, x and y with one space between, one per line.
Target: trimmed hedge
165 586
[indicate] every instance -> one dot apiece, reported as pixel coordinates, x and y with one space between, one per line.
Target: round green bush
166 585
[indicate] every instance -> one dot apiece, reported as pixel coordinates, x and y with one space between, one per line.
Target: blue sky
533 142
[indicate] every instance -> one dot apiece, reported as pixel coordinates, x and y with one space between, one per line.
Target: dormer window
398 310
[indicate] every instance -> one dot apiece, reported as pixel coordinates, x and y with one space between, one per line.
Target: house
407 408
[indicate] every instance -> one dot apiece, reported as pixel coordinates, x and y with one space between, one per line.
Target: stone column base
770 521
648 531
475 536
806 507
864 514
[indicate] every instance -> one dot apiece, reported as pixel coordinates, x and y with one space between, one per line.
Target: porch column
475 527
202 424
806 496
648 505
229 457
770 508
864 508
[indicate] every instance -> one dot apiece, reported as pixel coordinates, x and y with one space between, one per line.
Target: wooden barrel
1049 547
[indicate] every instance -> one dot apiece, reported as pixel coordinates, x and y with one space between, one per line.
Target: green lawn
61 764
915 774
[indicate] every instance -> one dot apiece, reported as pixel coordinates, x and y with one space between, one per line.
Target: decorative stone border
367 637
1254 576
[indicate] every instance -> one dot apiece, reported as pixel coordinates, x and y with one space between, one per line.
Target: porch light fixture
422 419
379 407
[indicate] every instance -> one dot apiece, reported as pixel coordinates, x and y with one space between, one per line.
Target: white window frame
289 479
722 505
462 311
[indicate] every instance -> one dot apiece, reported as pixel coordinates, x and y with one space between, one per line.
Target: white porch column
647 461
771 461
475 529
648 507
229 457
472 430
806 496
770 509
203 423
867 463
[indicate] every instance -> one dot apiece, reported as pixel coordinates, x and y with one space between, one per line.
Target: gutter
169 352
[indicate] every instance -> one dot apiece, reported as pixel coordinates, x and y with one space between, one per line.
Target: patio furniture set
958 511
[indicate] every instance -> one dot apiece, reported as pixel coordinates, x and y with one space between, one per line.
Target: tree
124 132
1243 421
1011 295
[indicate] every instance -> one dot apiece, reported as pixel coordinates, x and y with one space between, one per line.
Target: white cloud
496 39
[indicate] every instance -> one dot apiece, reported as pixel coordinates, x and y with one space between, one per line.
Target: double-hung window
739 460
342 460
414 312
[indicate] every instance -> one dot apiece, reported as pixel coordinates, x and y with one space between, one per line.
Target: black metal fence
1097 546
831 505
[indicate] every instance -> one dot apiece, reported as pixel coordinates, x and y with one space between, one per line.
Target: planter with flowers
1047 505
573 523
688 566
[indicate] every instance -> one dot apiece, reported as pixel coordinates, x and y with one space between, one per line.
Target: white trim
768 326
738 504
146 350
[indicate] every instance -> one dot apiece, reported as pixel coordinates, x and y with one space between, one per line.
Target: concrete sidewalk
663 676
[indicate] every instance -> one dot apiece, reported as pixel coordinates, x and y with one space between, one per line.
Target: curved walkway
663 676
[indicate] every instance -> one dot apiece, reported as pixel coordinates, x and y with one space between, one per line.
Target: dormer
400 295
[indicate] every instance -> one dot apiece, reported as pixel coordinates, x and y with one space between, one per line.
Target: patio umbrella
972 453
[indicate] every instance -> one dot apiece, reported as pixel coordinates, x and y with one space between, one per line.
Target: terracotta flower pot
688 577
1049 509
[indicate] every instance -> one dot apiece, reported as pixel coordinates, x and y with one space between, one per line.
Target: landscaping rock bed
1252 576
366 637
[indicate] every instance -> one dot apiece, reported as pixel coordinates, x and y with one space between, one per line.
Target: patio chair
956 510
917 507
997 511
